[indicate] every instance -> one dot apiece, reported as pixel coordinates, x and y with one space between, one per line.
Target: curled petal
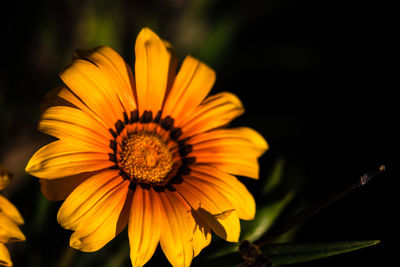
10 210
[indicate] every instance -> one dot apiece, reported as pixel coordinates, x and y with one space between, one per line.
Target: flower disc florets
145 157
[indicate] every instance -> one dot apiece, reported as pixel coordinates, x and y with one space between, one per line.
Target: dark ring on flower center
175 176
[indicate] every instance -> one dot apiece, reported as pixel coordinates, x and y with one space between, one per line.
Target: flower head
10 218
148 150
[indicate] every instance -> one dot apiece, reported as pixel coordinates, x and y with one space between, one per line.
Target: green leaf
281 254
274 178
265 218
42 209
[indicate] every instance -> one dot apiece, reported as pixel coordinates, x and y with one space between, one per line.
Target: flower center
146 157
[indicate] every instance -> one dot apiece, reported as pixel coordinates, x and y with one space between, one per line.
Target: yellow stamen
146 157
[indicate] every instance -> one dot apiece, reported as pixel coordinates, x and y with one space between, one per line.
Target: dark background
314 77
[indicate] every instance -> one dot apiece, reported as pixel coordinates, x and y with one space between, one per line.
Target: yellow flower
149 151
10 218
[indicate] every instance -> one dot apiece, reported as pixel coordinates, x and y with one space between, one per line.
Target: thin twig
304 215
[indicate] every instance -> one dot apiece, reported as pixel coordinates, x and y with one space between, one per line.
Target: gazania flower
147 150
10 218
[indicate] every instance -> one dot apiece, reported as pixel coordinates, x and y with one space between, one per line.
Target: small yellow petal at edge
5 259
9 230
10 210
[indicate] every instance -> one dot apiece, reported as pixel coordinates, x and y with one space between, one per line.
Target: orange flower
10 218
149 151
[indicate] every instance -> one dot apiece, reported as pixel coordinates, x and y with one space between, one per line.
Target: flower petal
232 150
103 221
10 210
74 124
59 189
91 194
201 235
72 100
212 206
229 186
215 111
191 85
145 222
230 163
5 259
52 99
9 230
177 235
60 159
92 85
119 73
151 71
241 137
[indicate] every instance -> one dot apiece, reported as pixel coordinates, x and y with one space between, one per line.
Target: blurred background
311 74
